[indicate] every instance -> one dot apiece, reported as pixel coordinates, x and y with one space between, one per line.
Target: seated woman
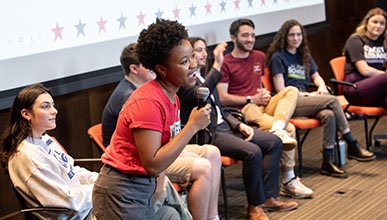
365 53
191 168
148 136
291 64
38 167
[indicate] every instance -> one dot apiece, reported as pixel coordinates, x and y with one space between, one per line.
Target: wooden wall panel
72 121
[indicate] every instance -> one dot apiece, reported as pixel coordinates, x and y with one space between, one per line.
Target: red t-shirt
148 108
243 75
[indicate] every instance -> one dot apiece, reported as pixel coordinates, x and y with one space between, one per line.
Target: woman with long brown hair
291 64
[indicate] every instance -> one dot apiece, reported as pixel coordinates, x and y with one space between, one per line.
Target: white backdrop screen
43 40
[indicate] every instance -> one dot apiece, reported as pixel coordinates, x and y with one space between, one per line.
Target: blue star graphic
159 13
80 28
122 20
192 9
222 6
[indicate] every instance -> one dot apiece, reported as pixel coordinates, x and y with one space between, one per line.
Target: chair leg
366 132
371 131
299 146
225 201
300 143
338 153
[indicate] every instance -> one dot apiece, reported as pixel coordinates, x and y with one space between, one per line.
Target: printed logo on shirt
71 173
175 129
296 72
62 158
49 141
257 69
374 54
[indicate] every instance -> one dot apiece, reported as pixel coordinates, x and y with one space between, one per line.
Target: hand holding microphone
202 94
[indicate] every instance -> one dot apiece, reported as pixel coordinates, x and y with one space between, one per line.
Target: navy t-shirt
292 68
113 107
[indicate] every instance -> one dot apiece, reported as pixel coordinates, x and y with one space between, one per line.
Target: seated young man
241 87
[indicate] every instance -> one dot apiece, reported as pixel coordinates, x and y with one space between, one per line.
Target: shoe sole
362 159
323 172
302 196
278 209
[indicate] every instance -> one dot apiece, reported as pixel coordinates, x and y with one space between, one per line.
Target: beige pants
280 107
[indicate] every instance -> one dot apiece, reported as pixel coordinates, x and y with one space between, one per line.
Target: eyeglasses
200 49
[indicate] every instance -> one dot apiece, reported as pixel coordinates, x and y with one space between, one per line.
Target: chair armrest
49 209
314 86
87 161
39 209
237 114
336 82
241 117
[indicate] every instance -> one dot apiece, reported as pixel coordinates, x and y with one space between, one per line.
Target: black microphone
202 94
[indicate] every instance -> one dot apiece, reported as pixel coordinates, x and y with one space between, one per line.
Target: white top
45 175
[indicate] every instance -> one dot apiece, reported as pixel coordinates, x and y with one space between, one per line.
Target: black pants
260 158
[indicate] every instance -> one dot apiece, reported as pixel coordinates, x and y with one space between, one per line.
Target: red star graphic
141 17
58 32
236 2
176 11
101 23
208 8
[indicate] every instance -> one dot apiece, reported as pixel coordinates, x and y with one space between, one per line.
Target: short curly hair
154 44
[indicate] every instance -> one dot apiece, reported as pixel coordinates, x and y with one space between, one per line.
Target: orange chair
306 124
362 112
95 133
226 162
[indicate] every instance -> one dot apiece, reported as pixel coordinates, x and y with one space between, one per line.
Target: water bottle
343 152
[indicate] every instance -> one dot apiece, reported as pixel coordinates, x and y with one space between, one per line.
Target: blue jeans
117 195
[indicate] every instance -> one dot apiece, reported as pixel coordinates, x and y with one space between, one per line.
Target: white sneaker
295 189
288 142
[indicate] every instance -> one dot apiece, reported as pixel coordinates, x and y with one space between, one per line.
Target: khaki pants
280 107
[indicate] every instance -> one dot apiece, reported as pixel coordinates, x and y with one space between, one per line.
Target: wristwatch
248 99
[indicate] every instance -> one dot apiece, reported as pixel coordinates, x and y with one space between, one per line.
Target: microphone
202 94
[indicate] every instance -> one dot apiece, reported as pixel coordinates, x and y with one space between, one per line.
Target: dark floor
363 195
